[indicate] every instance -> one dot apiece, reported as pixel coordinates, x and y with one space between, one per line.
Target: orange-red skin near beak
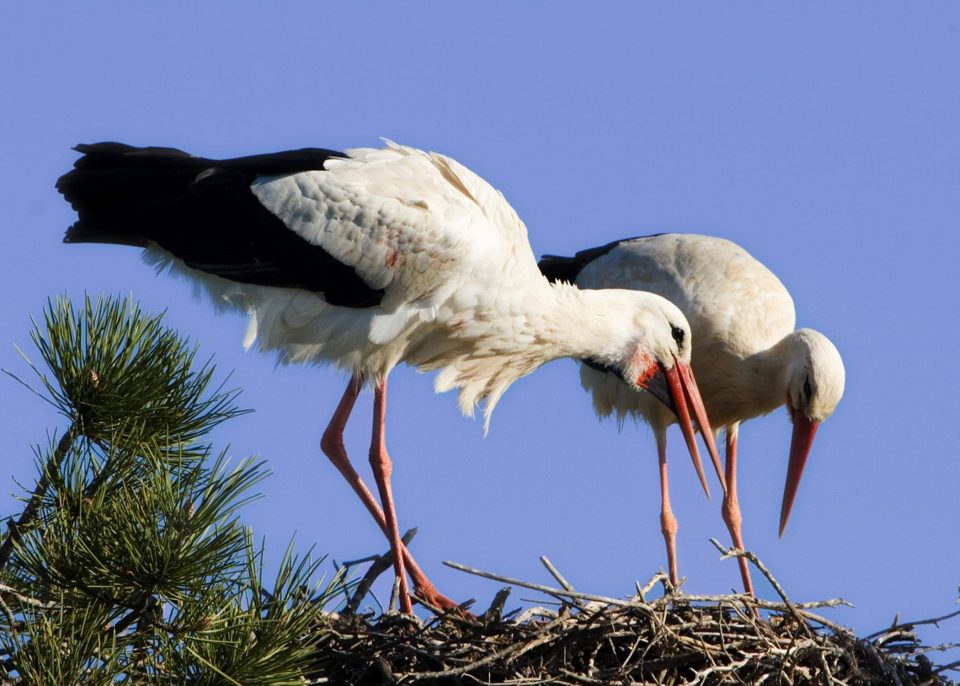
804 429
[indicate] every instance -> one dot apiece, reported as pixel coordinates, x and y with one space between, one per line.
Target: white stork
372 257
748 359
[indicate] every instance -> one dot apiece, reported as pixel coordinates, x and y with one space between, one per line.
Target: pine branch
129 561
29 514
112 370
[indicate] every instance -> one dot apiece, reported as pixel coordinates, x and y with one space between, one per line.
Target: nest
673 639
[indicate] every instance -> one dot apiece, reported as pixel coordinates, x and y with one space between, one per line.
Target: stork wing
415 225
363 228
717 284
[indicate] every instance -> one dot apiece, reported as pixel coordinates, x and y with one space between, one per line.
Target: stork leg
382 468
668 523
731 506
333 447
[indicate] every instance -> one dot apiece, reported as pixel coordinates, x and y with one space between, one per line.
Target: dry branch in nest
672 640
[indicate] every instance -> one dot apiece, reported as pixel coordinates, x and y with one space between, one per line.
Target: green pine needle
129 563
111 365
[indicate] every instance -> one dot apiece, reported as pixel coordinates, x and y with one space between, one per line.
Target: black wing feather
204 212
559 268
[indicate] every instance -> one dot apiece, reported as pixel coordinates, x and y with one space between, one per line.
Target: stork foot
429 594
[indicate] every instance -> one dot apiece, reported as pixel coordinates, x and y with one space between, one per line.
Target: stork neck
763 388
546 321
577 323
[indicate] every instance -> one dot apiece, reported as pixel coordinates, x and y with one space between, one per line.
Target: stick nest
666 641
672 640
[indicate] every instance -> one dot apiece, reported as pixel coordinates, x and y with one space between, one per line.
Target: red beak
804 430
685 396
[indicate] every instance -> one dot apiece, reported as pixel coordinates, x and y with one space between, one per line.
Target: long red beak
683 397
803 432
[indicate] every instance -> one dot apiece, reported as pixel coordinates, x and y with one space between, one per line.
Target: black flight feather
203 212
559 268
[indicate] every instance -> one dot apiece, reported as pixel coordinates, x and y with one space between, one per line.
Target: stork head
653 355
815 380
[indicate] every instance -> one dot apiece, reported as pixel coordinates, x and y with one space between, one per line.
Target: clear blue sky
824 138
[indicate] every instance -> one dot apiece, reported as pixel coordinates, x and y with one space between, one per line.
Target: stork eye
677 333
807 391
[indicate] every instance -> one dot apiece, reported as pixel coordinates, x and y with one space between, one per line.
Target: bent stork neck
541 323
573 323
750 386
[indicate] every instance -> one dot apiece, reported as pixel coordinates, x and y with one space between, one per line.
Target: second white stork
372 257
747 356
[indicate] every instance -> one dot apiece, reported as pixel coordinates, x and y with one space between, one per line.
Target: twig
495 611
145 603
509 652
556 592
15 529
533 612
25 599
11 618
394 595
743 598
755 561
347 564
897 624
406 539
560 578
952 666
659 577
381 563
833 626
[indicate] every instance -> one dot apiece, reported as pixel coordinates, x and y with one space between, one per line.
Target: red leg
333 448
382 468
668 523
731 506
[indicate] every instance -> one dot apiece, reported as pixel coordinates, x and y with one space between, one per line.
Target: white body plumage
462 292
746 351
